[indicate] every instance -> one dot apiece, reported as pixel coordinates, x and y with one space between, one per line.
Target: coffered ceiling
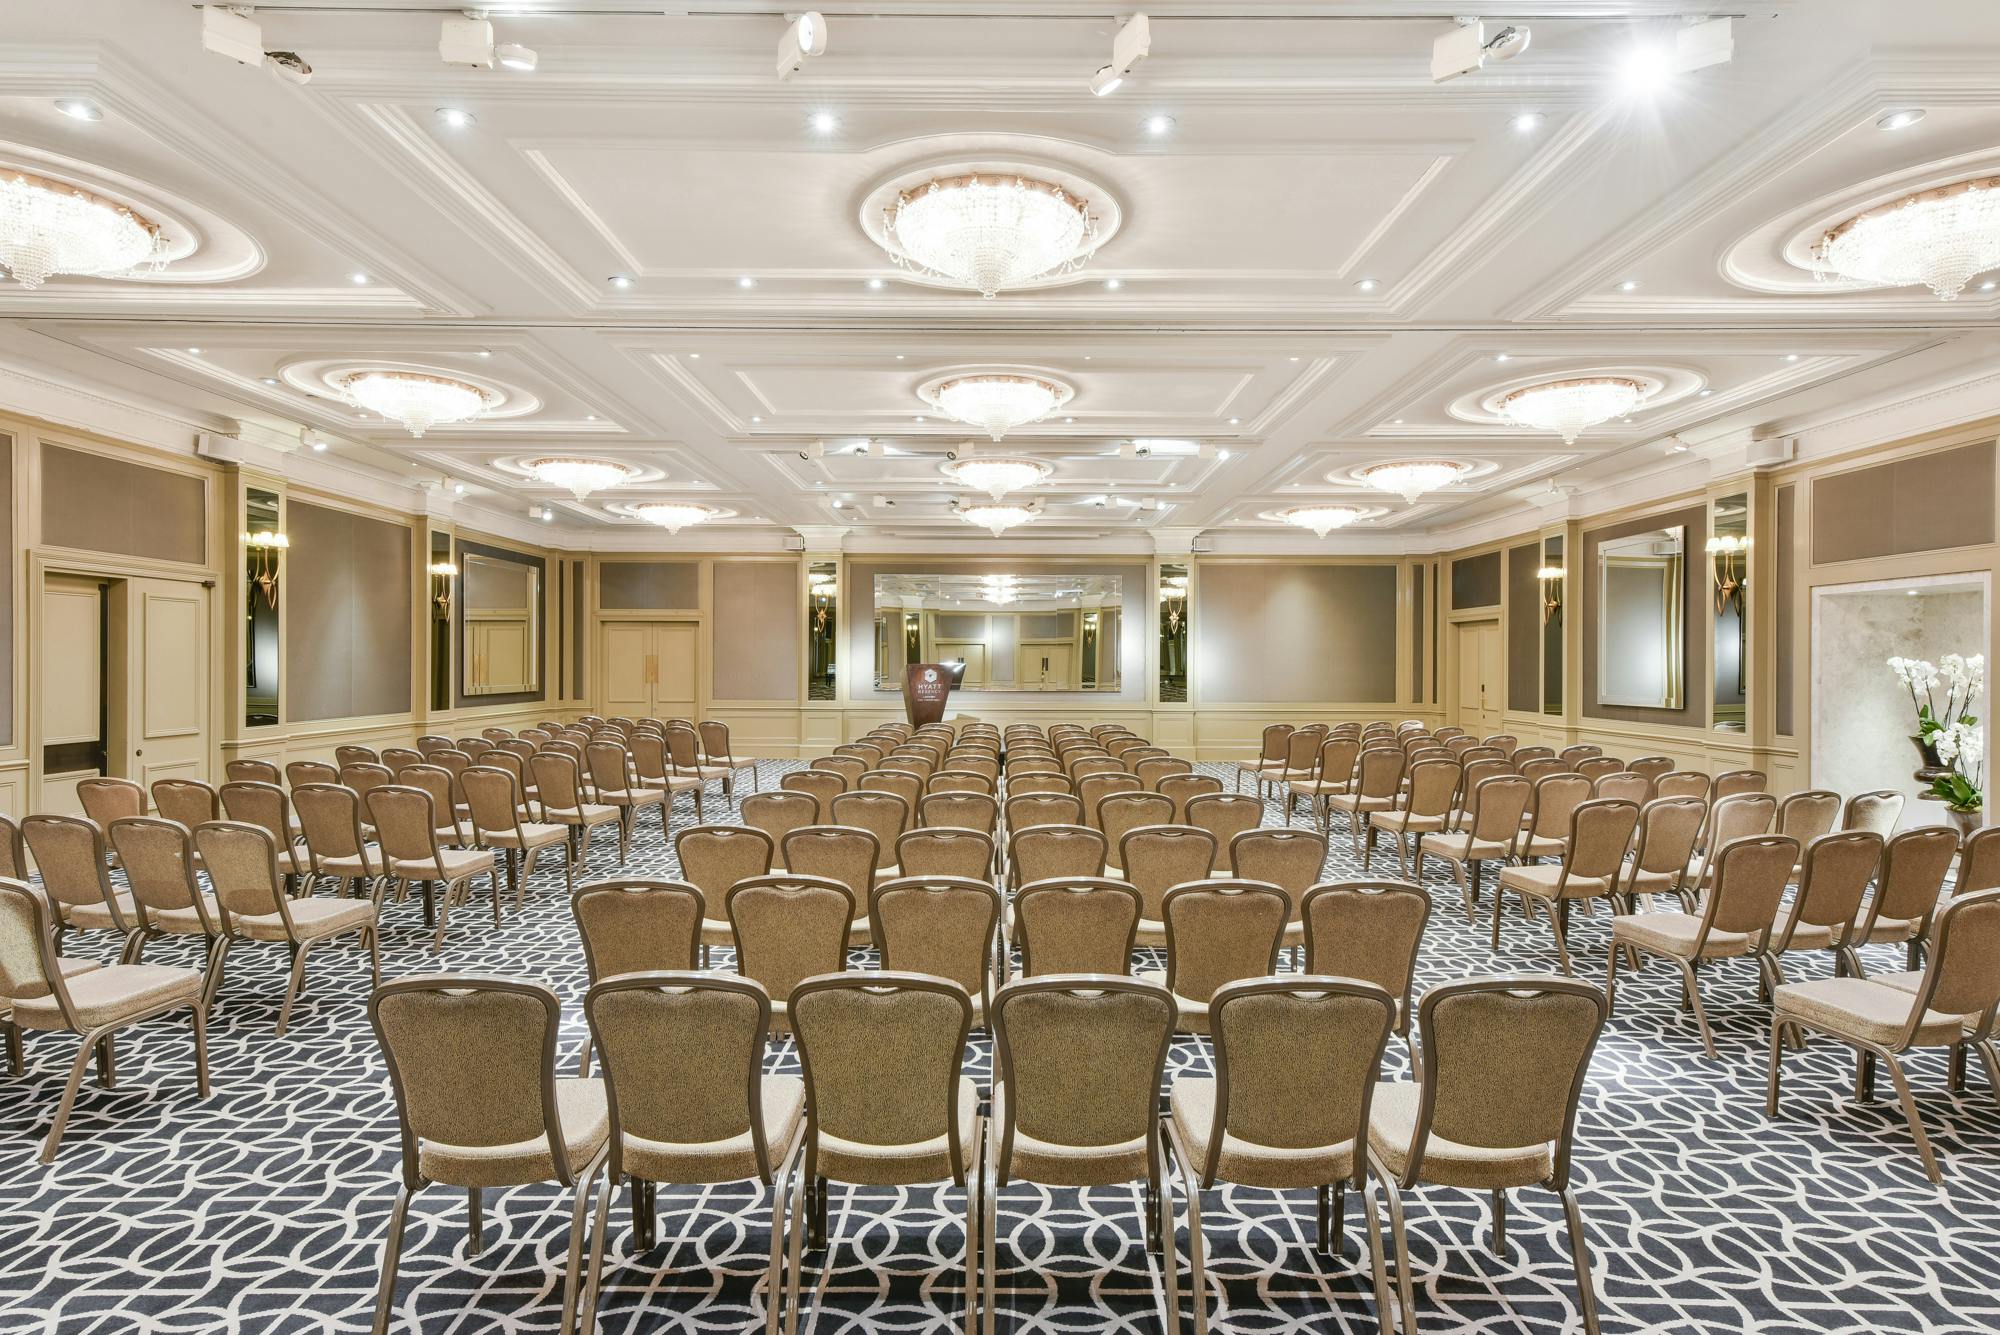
1312 258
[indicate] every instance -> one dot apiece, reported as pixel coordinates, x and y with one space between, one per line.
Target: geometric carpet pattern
263 1207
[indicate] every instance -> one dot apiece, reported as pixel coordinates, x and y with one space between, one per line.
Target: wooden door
1479 677
164 667
71 668
676 670
625 661
1049 666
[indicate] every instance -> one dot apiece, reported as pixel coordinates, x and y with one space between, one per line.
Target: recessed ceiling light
590 417
319 444
1368 285
1235 421
270 380
458 487
1989 284
1791 356
899 356
1677 446
1222 455
620 281
1911 592
1069 419
357 278
1113 284
1526 121
1648 68
1158 125
79 110
1900 119
1295 359
1629 285
548 515
1703 393
485 352
756 419
194 352
875 285
694 356
456 118
825 122
1501 357
1397 421
746 281
918 418
1086 356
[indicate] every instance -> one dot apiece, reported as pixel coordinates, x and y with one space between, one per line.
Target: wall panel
755 653
1524 628
1922 503
1697 620
1475 581
96 503
649 586
346 595
1288 634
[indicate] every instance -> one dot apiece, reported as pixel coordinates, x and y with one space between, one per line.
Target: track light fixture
804 38
466 40
1132 44
1467 48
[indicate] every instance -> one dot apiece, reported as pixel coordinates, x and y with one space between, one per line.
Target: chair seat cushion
1910 982
1675 934
312 920
729 1160
868 1164
1061 1165
1402 822
1545 846
368 862
457 862
1890 930
112 993
70 965
1542 880
1460 846
93 917
1193 1015
532 834
590 813
1807 936
1862 1008
580 1111
1191 1104
184 921
1392 1125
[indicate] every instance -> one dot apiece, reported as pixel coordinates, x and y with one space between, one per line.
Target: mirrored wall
264 545
1641 642
1175 595
1550 580
822 620
502 609
1729 574
1012 632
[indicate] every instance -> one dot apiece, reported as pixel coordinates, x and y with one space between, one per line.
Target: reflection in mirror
1551 579
822 593
444 584
502 604
264 543
1641 653
1729 571
1173 634
1013 632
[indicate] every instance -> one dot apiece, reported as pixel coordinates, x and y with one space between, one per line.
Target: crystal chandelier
673 516
1321 519
579 477
999 516
1568 406
1411 478
997 403
48 227
417 400
1939 237
988 233
996 475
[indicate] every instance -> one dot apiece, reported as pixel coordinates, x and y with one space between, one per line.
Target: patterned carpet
263 1208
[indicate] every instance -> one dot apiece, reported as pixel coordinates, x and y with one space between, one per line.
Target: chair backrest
1471 774
1336 759
825 785
1180 788
960 810
649 756
1978 862
362 776
1668 829
1025 784
636 926
472 1062
189 801
1286 858
1372 930
1737 781
1076 924
1833 880
13 851
308 771
1379 773
840 853
789 928
884 815
1156 858
1273 747
1878 811
1963 975
1094 788
1120 813
608 773
714 735
1503 1061
242 864
107 799
1600 834
1087 766
443 788
941 850
1581 751
395 757
559 780
1026 810
1039 852
870 755
778 814
355 755
1224 815
683 748
1625 786
1536 768
330 818
1302 751
1555 799
1220 931
1296 1061
1914 865
922 766
493 794
1081 1058
683 1060
1596 767
158 857
901 783
1498 803
404 818
1809 814
959 781
880 1053
261 804
1155 768
1433 784
1738 816
1751 874
715 857
1652 767
69 853
944 926
249 771
850 768
432 742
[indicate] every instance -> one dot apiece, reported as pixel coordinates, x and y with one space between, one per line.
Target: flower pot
1967 822
1933 767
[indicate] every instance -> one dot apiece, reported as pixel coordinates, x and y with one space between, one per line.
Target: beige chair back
637 926
1181 788
944 851
1286 858
884 815
1963 975
840 853
944 926
1600 834
903 784
1076 924
1120 813
262 804
1093 789
1878 811
404 819
1751 874
1156 858
789 928
960 810
823 785
1978 862
1026 810
1740 781
1039 852
189 801
1914 865
1224 815
714 858
1833 881
1155 768
1220 931
13 851
778 814
355 755
309 771
959 781
1371 930
1555 799
850 768
158 857
1624 786
242 864
69 854
1596 767
107 799
1809 814
443 788
1024 784
250 771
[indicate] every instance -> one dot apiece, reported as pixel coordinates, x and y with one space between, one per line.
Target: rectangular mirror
1641 644
264 546
1012 632
502 601
1729 575
822 595
1173 634
1551 578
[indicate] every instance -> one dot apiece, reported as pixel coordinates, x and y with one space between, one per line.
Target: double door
649 669
1479 686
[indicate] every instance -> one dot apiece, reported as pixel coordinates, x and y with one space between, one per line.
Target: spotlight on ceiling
77 109
1466 49
803 39
514 56
227 31
466 41
456 118
1133 44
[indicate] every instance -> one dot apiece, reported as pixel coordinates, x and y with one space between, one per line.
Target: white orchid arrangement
1951 732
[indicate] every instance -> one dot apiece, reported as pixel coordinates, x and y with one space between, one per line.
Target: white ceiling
1308 150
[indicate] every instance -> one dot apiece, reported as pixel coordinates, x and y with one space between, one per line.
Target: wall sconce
264 548
1551 580
442 574
1730 557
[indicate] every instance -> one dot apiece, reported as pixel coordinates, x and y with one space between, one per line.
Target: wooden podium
925 689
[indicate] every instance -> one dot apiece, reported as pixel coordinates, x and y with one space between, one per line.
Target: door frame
1455 667
696 620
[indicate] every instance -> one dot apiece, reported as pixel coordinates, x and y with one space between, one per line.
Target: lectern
925 687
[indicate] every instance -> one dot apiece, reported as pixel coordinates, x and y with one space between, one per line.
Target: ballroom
999 667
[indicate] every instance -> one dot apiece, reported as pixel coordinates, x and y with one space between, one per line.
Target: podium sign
925 686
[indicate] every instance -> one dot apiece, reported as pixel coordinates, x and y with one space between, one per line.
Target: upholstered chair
1332 773
560 782
850 768
778 814
841 853
1594 848
69 852
884 815
713 858
1826 912
1038 852
716 754
1120 813
617 786
944 926
1914 866
167 898
1156 858
1550 806
635 926
1486 833
189 801
1288 859
1426 806
1269 762
1224 815
1668 828
1371 930
266 806
1218 931
405 826
944 851
1026 810
1878 811
1378 780
493 797
252 771
1075 924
